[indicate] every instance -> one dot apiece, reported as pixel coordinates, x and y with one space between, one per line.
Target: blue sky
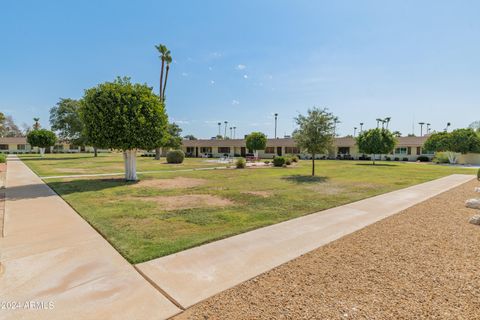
242 61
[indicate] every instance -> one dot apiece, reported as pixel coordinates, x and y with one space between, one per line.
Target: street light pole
231 128
354 131
219 125
428 128
361 127
225 136
234 132
421 128
276 116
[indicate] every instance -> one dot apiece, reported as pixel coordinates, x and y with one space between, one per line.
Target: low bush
266 161
405 159
3 158
278 161
293 157
241 163
423 159
288 161
175 156
397 159
388 158
440 157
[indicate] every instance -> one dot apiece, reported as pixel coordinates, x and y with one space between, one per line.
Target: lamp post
231 130
219 125
234 132
378 121
421 128
276 116
354 131
387 120
361 127
448 125
428 128
225 135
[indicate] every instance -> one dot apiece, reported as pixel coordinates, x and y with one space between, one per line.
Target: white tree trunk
42 151
130 159
452 157
255 154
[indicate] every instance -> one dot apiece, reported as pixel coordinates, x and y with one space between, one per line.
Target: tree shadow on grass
298 178
377 164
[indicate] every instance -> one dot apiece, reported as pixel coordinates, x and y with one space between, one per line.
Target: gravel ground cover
423 263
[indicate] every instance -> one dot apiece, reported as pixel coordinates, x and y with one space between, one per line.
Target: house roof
289 142
13 140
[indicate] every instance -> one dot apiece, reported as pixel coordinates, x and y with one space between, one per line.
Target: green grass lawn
85 163
154 217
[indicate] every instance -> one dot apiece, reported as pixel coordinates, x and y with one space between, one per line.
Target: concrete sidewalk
193 275
54 265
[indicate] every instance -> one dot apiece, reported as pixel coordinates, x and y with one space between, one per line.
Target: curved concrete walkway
193 275
54 265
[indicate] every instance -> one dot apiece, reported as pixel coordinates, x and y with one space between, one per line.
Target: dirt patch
176 183
189 201
71 170
421 263
263 194
326 189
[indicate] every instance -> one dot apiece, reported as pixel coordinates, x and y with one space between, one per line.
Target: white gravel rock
477 189
473 203
475 220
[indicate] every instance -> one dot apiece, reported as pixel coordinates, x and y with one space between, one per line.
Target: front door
243 151
279 151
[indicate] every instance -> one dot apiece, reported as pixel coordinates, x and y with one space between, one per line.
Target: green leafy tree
65 120
464 141
41 138
190 137
376 141
256 141
124 116
438 142
173 138
315 132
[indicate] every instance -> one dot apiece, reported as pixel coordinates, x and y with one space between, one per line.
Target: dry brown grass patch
263 194
176 183
189 201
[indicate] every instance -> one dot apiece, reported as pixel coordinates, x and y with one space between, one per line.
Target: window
270 150
292 150
3 146
343 150
223 149
21 146
401 151
190 150
418 151
428 152
206 150
58 147
409 150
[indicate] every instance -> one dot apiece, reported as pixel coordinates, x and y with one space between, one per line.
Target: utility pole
276 116
225 136
421 128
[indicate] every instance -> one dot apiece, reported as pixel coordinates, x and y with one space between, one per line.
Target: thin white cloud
235 102
241 67
212 82
210 68
245 76
182 122
184 74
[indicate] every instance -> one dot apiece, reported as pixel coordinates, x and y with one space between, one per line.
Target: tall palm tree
163 50
168 60
36 125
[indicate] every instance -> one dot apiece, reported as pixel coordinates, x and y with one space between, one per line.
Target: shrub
405 159
478 174
288 161
440 157
240 163
423 159
397 159
3 159
175 156
388 158
267 161
293 157
278 161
